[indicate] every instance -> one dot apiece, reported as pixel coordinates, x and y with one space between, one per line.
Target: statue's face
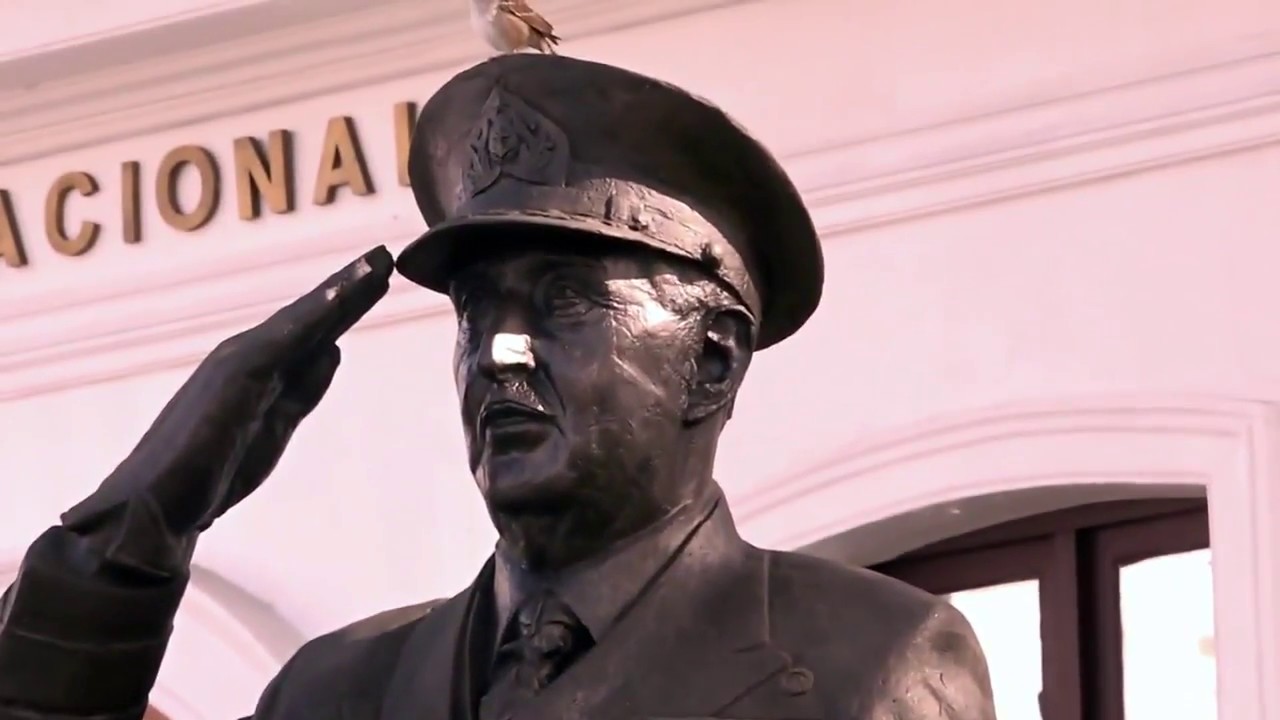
574 378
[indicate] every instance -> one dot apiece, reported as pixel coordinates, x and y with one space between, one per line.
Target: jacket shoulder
346 665
820 606
371 629
877 646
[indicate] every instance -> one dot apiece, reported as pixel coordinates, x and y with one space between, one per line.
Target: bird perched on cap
511 25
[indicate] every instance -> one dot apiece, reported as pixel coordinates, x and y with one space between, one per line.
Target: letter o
167 178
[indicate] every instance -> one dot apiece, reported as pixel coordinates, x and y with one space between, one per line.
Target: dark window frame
1076 555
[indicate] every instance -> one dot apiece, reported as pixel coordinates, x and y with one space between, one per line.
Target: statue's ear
721 364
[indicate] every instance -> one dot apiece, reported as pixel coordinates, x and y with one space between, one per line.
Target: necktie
538 644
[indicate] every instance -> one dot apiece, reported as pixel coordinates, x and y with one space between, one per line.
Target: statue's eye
562 294
563 297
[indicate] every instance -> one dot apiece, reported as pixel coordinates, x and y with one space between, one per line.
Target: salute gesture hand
222 434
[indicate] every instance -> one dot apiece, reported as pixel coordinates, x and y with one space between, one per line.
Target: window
1103 612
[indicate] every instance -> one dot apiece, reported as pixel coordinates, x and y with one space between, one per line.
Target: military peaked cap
596 153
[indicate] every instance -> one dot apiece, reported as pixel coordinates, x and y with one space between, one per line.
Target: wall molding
130 324
358 48
1210 109
931 473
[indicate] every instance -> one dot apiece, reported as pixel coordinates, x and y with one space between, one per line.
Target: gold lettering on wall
342 162
406 114
131 202
10 236
167 177
55 214
264 174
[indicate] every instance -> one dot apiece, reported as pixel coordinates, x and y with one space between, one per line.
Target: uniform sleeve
80 640
939 674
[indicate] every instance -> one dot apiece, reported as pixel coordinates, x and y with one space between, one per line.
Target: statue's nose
507 355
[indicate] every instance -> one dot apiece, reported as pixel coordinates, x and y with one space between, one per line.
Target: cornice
849 186
330 55
1207 110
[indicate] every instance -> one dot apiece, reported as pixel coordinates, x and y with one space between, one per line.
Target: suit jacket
726 631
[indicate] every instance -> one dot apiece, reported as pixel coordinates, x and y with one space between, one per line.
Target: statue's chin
531 481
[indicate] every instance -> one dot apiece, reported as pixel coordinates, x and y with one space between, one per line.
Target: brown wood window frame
1076 556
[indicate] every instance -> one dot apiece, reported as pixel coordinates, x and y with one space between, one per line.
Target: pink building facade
1051 241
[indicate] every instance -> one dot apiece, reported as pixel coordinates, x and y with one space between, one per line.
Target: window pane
1006 619
1166 609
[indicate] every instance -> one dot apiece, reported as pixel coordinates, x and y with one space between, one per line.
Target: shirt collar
600 589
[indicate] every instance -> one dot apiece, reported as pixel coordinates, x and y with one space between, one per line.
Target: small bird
511 25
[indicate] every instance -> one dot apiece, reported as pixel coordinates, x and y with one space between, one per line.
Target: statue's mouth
503 414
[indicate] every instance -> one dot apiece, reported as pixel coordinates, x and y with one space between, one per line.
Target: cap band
626 211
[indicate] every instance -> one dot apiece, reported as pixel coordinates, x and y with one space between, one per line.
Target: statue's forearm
85 625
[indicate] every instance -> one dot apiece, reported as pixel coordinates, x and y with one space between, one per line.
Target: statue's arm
81 637
940 673
85 625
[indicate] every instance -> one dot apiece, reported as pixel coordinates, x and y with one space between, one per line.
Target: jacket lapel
444 664
697 640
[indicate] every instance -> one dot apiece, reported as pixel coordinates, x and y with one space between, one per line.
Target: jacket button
797 681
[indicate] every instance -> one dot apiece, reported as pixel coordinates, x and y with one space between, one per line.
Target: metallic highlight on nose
512 349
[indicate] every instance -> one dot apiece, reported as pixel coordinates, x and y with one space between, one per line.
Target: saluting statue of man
616 251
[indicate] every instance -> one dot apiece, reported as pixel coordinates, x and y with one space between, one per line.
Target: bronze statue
616 250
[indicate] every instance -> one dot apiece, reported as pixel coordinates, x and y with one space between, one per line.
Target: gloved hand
223 432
